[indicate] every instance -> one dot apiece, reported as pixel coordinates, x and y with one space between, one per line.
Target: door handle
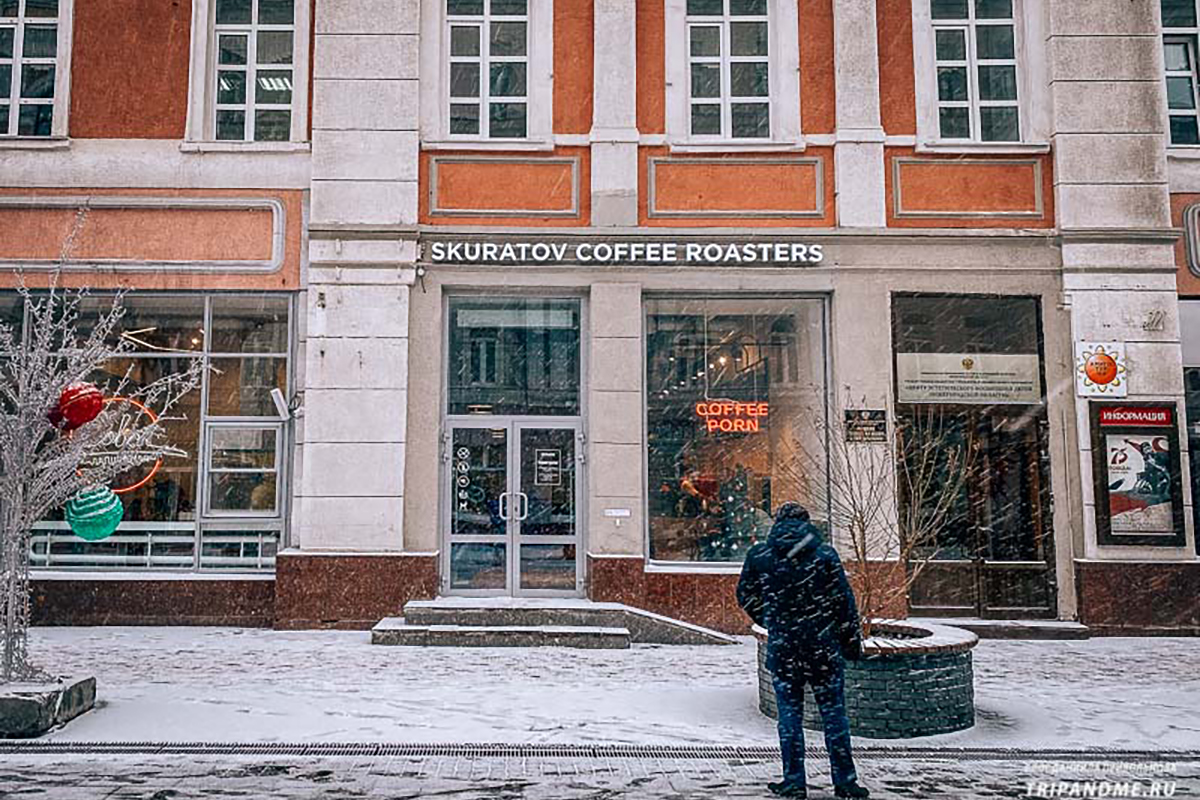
504 503
523 511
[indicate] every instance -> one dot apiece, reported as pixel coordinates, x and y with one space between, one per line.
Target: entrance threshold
1013 628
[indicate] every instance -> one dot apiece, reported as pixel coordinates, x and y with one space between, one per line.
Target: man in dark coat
794 586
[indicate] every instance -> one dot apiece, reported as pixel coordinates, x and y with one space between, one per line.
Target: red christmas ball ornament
79 404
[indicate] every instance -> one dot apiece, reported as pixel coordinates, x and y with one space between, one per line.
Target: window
255 69
514 356
218 501
733 73
34 43
975 52
249 76
489 68
733 387
1002 512
1179 61
728 68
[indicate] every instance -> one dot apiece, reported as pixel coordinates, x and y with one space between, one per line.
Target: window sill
485 145
1184 153
92 574
39 143
245 147
984 148
736 146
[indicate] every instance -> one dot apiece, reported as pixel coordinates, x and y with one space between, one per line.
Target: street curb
578 751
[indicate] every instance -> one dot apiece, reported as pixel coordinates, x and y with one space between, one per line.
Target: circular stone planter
914 680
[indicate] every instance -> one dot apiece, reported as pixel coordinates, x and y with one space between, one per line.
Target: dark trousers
829 693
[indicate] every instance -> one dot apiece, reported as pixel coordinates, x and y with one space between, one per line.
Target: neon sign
730 416
130 436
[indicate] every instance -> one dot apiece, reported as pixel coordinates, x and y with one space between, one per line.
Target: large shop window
217 503
968 374
734 387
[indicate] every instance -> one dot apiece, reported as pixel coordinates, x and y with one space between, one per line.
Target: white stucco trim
784 79
151 164
201 119
435 76
1033 92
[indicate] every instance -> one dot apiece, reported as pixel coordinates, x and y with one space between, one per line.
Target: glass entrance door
513 523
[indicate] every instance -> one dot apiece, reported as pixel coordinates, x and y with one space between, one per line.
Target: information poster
1136 459
972 378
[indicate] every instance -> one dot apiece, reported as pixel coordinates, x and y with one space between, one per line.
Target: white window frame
61 101
1032 86
1190 36
202 81
784 78
1189 41
435 82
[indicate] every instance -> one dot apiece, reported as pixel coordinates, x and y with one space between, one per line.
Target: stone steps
400 631
642 627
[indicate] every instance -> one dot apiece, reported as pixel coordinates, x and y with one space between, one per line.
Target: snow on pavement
246 685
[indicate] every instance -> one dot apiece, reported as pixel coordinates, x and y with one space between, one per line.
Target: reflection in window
514 356
733 388
1004 514
245 339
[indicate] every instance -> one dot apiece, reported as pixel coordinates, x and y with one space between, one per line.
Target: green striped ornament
94 513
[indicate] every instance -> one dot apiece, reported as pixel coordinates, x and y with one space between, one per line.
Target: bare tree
889 497
67 339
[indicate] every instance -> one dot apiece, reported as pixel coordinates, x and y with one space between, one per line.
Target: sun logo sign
1100 369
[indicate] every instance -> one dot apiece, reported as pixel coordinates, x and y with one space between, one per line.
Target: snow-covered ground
227 684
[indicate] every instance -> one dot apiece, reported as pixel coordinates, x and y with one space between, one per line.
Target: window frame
1190 37
1033 108
251 526
434 84
827 403
202 81
1189 42
61 101
783 96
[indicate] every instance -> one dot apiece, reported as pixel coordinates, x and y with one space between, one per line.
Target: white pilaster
858 154
352 436
1114 213
614 114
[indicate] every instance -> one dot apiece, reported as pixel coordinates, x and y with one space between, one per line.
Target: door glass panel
548 566
479 476
547 482
477 566
514 356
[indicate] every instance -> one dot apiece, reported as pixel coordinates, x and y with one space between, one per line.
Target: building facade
564 294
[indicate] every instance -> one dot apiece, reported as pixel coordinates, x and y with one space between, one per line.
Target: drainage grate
575 751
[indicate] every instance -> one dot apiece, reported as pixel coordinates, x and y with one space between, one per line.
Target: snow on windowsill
245 147
35 143
984 148
148 575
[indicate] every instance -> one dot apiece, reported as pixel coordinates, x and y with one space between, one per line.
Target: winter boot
788 789
850 790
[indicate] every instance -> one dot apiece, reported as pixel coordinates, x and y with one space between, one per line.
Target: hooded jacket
794 585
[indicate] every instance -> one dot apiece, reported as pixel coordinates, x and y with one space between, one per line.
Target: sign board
1100 369
970 378
866 425
619 513
625 252
1135 459
547 466
732 416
